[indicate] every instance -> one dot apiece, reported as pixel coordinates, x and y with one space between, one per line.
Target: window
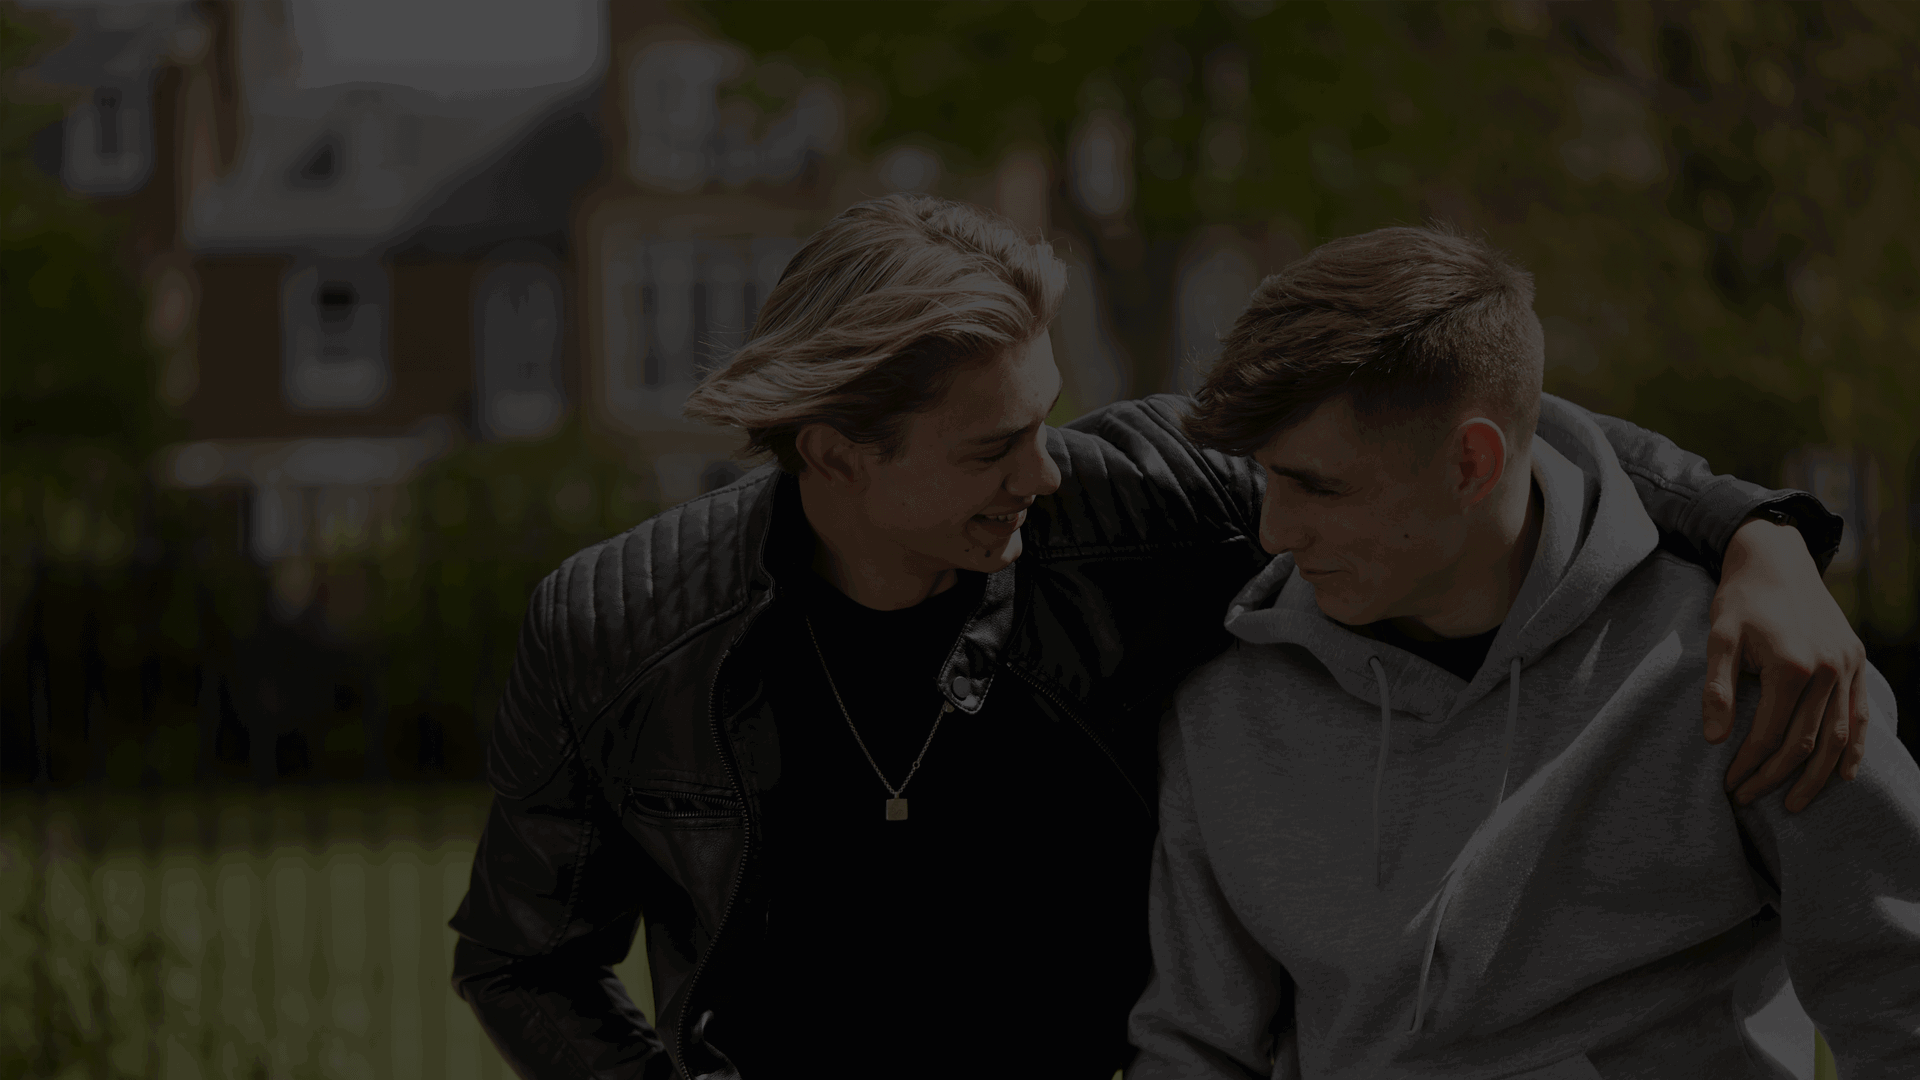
679 137
518 312
109 141
319 166
334 334
673 309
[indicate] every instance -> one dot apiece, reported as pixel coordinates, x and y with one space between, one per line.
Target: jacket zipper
702 799
1046 692
746 842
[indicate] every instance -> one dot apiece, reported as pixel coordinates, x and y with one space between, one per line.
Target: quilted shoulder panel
625 602
613 610
1130 479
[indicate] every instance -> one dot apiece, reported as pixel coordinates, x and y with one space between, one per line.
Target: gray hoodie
1370 868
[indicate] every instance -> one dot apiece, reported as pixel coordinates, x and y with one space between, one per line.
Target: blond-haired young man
867 737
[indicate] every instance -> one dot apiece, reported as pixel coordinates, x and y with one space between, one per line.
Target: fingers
1716 701
1835 733
1780 690
1857 745
1798 744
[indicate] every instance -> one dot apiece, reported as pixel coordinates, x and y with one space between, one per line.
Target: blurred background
330 326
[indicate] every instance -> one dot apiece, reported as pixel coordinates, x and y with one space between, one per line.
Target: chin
1007 554
988 554
1343 610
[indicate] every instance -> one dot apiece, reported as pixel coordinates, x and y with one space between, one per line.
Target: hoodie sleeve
1697 511
1216 999
1848 873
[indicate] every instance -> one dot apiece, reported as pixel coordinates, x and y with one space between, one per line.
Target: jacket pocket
682 806
693 833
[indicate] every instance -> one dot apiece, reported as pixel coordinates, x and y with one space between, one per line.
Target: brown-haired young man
1433 813
936 603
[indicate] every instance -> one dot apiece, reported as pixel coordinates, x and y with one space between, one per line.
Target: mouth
1311 574
1005 524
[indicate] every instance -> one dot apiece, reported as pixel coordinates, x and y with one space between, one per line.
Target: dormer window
318 167
334 334
337 300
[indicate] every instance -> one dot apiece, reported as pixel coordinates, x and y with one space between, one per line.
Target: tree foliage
1715 199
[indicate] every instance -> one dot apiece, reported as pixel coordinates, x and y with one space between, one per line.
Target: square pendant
896 809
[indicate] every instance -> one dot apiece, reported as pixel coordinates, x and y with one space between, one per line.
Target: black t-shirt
1462 656
999 930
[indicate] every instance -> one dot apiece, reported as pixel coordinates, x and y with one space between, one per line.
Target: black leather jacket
629 744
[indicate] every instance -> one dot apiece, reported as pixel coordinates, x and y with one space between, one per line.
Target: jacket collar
780 545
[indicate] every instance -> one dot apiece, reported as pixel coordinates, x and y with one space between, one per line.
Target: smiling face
1367 514
956 495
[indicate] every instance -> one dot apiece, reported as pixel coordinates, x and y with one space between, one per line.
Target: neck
1496 557
856 559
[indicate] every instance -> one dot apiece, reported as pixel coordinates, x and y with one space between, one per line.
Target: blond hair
874 317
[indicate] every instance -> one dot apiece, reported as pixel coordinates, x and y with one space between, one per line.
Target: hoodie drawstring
1446 893
1380 768
1513 716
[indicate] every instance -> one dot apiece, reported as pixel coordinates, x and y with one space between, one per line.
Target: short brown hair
1404 321
874 317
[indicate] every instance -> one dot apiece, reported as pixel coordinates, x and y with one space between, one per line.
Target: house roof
352 168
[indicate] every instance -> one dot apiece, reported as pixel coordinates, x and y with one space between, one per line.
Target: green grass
237 934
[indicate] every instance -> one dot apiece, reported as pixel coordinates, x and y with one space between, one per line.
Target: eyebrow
1004 436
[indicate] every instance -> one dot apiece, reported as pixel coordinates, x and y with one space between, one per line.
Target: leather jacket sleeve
555 894
1697 511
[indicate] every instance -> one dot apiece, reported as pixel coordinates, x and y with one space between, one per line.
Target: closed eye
1012 439
1308 483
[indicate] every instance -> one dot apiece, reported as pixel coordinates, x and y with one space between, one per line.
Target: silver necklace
897 802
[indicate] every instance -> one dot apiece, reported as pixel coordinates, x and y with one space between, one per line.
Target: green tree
1716 200
78 413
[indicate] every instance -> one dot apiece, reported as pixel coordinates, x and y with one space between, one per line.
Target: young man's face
1366 514
957 493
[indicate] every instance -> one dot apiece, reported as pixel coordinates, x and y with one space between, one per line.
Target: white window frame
328 366
517 385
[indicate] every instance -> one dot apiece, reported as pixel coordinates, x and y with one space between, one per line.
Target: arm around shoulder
1696 510
1136 455
1771 613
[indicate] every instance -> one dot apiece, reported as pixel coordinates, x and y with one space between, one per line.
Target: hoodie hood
1593 532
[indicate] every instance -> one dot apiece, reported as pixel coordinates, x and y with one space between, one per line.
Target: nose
1035 472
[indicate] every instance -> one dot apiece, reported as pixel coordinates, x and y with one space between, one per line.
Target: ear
830 455
1477 459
